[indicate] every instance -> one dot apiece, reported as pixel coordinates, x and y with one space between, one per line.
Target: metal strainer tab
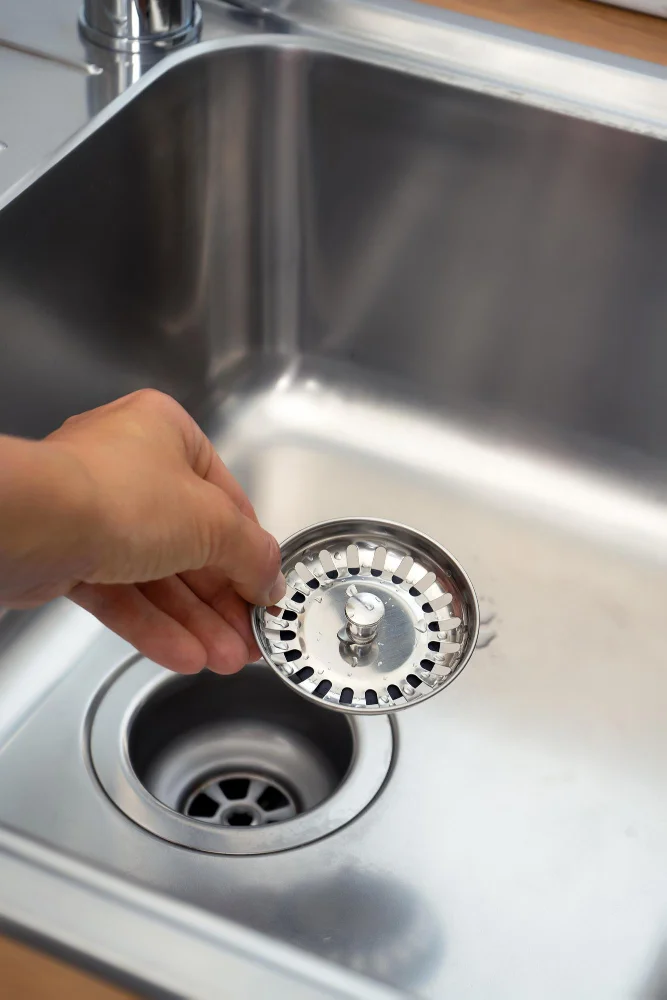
377 616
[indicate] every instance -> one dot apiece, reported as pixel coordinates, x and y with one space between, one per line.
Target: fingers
219 475
240 550
168 623
129 613
211 585
226 648
247 555
208 465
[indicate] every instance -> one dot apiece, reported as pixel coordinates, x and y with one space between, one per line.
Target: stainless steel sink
385 293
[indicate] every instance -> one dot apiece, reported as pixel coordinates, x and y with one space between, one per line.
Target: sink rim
413 40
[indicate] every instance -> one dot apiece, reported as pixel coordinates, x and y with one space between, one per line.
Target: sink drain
233 765
242 800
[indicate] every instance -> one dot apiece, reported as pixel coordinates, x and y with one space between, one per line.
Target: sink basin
386 295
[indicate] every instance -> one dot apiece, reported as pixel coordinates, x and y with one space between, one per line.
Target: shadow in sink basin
367 922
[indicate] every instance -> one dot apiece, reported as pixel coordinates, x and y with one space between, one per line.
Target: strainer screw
363 613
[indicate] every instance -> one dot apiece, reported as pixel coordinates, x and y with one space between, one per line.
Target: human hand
155 536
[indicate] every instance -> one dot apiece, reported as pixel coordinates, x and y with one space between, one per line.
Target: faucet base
159 43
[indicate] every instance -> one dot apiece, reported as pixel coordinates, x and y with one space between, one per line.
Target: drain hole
414 592
298 597
397 579
290 616
394 692
272 798
203 807
235 788
293 654
427 609
371 697
241 753
434 647
239 817
415 681
313 584
434 626
427 665
250 799
332 574
354 570
286 635
322 688
376 572
346 696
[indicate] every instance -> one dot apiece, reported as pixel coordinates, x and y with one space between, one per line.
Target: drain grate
241 799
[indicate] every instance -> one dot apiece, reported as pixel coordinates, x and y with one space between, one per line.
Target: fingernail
277 591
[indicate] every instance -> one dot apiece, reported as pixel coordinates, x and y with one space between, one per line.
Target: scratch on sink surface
89 69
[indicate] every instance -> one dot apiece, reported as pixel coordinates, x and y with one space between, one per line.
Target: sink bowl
385 295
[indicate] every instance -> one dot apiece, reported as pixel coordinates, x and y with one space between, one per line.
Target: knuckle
153 399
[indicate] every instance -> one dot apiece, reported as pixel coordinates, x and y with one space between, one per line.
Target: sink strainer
376 616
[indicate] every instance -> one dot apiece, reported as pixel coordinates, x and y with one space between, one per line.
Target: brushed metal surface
478 282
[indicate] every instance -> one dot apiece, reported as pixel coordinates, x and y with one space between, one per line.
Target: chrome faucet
140 25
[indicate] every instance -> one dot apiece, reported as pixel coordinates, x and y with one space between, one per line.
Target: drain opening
203 807
235 788
241 800
240 817
238 765
239 751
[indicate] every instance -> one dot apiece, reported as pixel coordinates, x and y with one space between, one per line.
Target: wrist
47 524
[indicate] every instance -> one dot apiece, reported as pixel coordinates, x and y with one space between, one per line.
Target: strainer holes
287 635
289 616
354 570
434 626
427 665
298 597
371 697
413 680
376 572
303 674
272 798
332 574
397 579
322 688
346 696
202 807
434 647
427 609
414 592
234 788
394 692
293 654
313 584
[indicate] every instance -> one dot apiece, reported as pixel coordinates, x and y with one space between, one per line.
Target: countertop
29 975
583 21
